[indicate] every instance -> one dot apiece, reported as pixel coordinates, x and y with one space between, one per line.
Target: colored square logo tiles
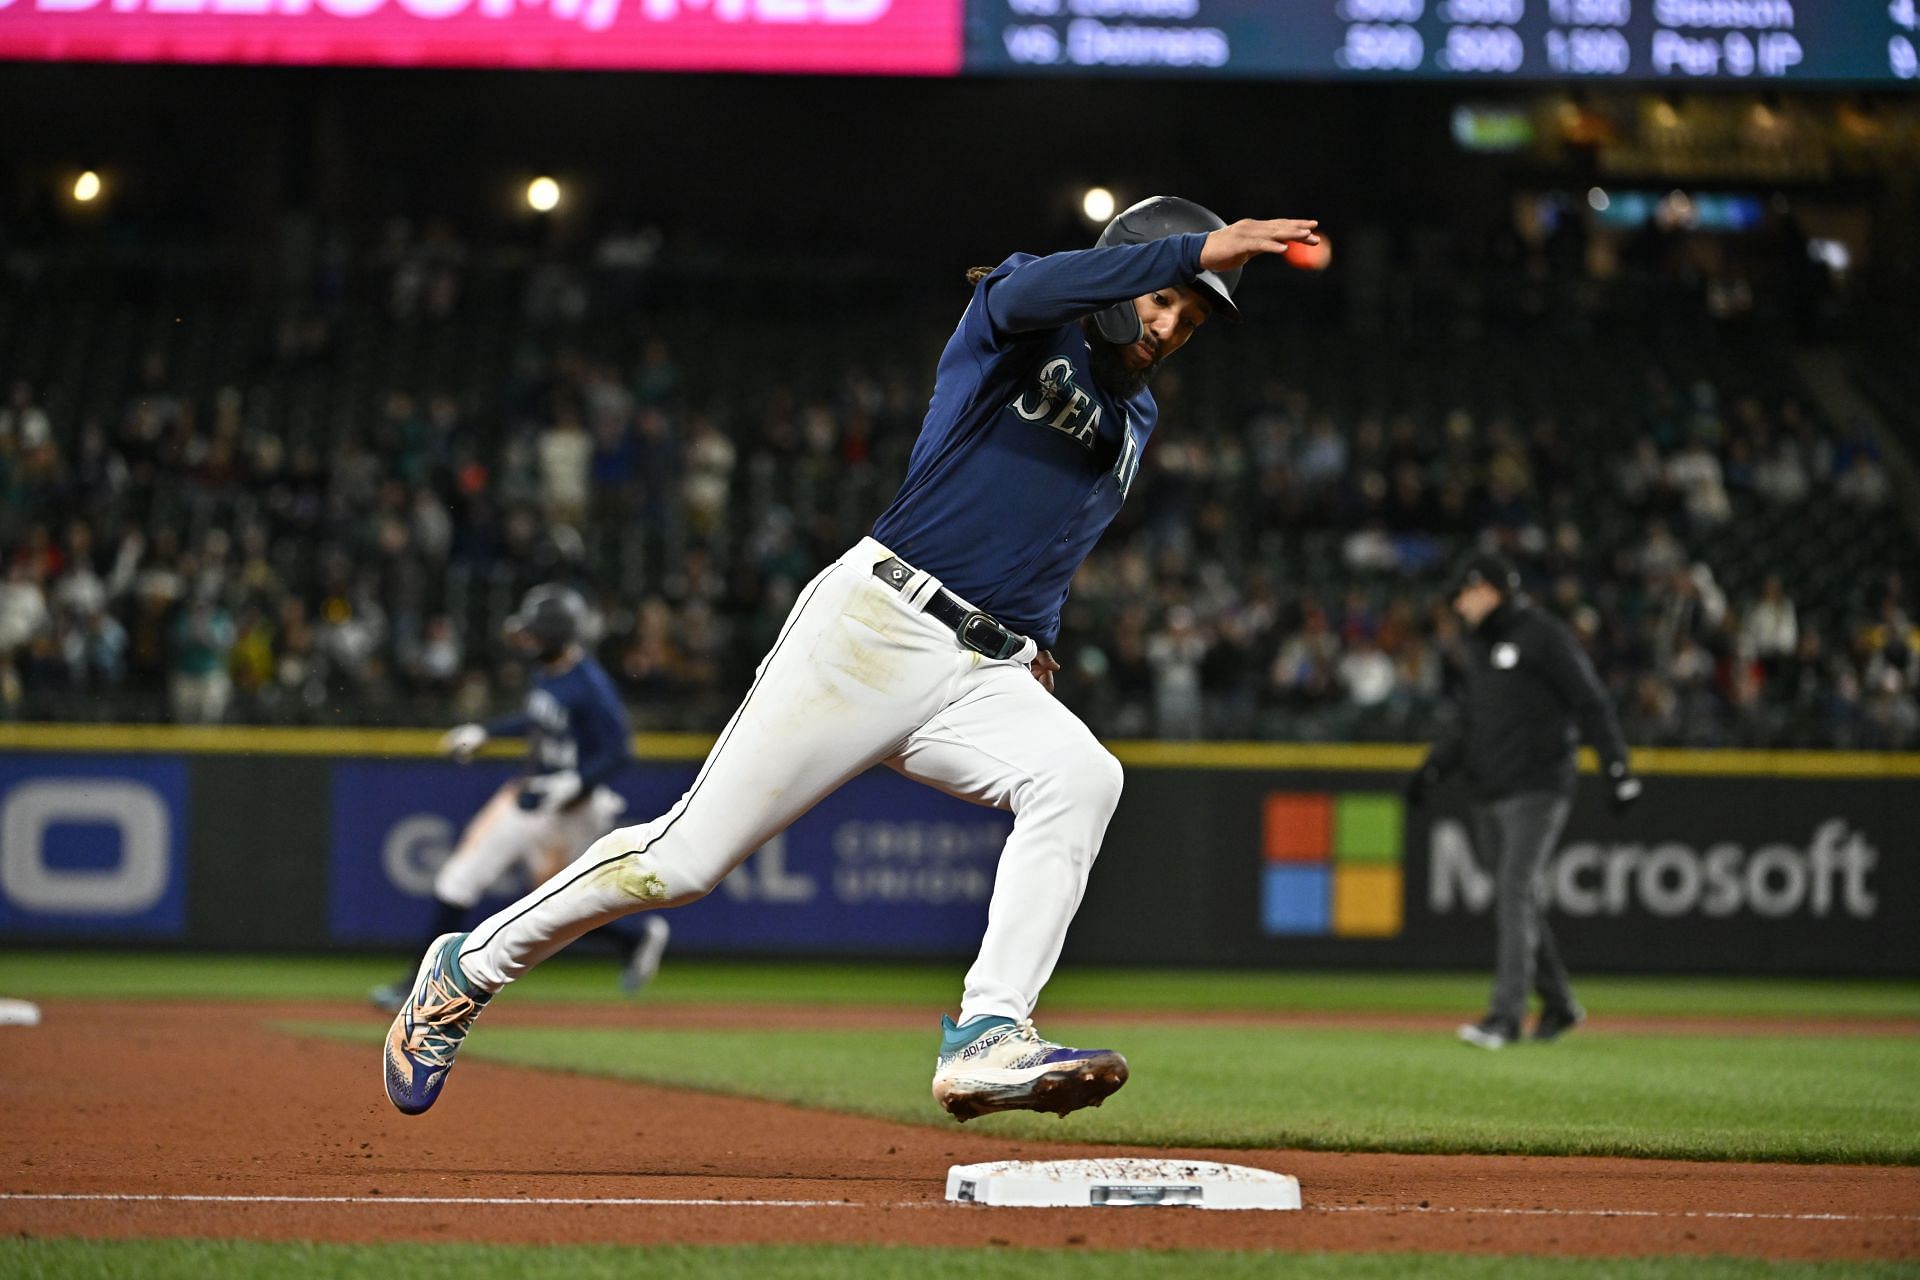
1367 827
1332 864
1367 902
1295 899
1297 827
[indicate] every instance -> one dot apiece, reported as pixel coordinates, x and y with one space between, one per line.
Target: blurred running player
577 739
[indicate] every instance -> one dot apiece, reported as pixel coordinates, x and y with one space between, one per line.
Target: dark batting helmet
552 616
1156 218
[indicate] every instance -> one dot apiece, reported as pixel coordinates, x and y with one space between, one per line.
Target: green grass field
1854 1100
1763 1096
1784 1097
89 974
221 1260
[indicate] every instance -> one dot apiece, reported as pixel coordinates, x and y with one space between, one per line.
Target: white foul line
668 1202
626 1201
1733 1214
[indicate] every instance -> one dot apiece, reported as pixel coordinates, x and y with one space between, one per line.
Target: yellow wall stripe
1271 756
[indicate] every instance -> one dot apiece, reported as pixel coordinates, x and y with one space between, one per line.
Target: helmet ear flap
1119 323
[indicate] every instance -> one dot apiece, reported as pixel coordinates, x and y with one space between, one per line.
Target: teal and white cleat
429 1027
997 1064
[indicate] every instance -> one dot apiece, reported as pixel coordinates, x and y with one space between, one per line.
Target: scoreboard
1858 42
1832 41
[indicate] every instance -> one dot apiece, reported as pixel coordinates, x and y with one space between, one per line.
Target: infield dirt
169 1100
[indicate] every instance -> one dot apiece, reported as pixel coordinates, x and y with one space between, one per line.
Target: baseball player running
577 739
926 647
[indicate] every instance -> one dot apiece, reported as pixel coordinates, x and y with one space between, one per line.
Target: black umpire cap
1494 570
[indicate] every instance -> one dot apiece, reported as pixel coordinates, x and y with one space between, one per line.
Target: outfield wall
1224 854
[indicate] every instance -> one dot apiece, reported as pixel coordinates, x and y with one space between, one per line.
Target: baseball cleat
1489 1033
997 1064
643 962
426 1034
1554 1023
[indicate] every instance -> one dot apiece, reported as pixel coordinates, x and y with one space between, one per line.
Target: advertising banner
93 846
1716 873
884 865
1806 870
870 37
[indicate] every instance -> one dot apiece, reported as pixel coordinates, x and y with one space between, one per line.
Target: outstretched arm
1048 292
1238 243
513 725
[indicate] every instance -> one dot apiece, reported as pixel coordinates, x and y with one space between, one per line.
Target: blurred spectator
1367 673
1323 456
1781 476
710 459
250 663
1174 655
24 425
103 654
23 606
566 467
657 381
1695 474
431 527
199 688
1772 628
439 657
1864 483
1303 669
1641 476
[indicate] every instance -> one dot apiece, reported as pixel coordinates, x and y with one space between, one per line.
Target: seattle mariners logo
1063 406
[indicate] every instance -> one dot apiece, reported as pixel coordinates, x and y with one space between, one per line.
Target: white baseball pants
859 676
503 835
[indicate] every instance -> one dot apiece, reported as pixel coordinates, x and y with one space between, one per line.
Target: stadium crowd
1277 574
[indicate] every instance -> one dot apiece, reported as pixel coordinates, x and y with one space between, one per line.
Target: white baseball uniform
503 835
859 676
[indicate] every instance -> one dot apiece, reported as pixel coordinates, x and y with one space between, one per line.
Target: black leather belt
980 632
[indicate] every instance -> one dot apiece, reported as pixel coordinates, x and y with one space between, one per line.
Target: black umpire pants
1515 837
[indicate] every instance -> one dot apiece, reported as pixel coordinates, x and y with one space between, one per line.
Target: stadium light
1097 204
86 187
543 195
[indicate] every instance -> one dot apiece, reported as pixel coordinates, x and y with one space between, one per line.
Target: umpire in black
1531 696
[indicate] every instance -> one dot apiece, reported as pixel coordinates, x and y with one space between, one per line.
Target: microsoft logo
1332 864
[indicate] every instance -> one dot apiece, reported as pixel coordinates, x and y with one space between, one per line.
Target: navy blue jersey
1023 460
573 721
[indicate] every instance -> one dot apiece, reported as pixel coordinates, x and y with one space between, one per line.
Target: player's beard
1111 371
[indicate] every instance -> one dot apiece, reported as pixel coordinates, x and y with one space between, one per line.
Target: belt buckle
1006 647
